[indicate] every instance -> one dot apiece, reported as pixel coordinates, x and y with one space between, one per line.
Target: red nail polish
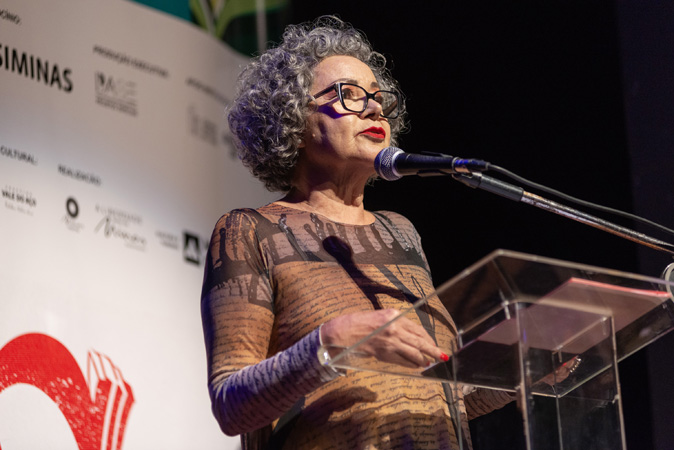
444 357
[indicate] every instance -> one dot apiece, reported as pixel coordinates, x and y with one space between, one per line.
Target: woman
316 267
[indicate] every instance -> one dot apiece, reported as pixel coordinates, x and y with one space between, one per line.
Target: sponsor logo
201 127
169 240
117 225
72 212
116 93
9 16
36 68
127 60
207 90
96 407
72 208
18 200
79 175
17 155
194 248
229 143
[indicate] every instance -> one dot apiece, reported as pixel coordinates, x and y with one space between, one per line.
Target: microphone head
384 163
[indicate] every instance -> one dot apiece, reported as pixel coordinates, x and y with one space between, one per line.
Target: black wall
646 36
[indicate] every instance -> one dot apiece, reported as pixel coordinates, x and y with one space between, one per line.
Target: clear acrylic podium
549 332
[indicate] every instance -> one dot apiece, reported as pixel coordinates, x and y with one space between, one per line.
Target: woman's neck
345 206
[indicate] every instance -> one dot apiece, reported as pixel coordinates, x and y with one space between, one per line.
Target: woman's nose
373 108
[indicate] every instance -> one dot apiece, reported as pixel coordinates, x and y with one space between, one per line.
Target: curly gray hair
269 112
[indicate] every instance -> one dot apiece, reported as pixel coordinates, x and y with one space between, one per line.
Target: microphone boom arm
516 193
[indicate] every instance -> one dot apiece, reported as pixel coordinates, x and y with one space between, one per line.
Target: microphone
392 164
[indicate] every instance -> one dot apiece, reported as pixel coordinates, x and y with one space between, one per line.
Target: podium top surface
562 300
504 277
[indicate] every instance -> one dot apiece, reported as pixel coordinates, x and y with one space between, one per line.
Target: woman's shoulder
397 221
240 219
237 215
393 217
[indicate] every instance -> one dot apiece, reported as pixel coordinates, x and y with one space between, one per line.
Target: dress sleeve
249 389
482 401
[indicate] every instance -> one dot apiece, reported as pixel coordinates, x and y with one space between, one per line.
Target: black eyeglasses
354 98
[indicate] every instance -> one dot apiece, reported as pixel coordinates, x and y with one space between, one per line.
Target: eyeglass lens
354 98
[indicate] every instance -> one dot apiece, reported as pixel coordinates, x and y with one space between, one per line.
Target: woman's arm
256 395
249 390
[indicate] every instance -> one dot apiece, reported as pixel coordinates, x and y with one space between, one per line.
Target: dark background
576 95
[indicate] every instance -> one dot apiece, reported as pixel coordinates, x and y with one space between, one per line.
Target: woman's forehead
346 69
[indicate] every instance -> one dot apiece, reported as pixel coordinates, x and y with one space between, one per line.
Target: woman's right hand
403 342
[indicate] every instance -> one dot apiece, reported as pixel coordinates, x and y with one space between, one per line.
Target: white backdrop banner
115 164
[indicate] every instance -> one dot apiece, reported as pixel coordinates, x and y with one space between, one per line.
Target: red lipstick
375 132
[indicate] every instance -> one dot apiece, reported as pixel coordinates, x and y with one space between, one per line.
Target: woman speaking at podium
316 268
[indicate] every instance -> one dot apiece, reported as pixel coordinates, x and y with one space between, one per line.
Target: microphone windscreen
384 163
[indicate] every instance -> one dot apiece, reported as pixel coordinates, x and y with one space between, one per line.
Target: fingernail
444 357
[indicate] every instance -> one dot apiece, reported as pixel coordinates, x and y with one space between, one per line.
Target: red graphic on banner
96 408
